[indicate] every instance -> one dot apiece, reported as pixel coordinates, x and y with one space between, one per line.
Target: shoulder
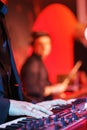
32 60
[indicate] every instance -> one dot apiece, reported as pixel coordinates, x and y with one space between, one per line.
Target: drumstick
72 72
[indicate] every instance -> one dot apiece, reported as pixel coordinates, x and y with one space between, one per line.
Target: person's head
41 43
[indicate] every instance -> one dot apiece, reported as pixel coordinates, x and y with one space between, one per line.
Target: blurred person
34 74
11 98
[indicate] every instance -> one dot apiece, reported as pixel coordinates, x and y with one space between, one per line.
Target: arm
4 109
61 87
55 89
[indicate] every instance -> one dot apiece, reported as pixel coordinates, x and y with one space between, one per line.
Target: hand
49 104
59 88
19 108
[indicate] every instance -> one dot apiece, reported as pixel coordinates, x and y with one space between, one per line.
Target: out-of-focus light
4 1
85 33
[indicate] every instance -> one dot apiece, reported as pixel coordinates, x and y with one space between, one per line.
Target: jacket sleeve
4 109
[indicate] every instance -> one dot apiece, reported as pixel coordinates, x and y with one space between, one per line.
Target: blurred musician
34 74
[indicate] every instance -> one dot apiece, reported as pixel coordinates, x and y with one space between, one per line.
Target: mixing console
69 117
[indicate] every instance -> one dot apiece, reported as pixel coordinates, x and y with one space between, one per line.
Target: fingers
58 102
45 104
43 109
50 104
70 101
37 114
37 111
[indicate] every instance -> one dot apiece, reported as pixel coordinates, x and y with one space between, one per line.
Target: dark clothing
35 77
4 108
10 84
80 53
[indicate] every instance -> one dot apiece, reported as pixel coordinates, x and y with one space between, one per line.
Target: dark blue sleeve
4 109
